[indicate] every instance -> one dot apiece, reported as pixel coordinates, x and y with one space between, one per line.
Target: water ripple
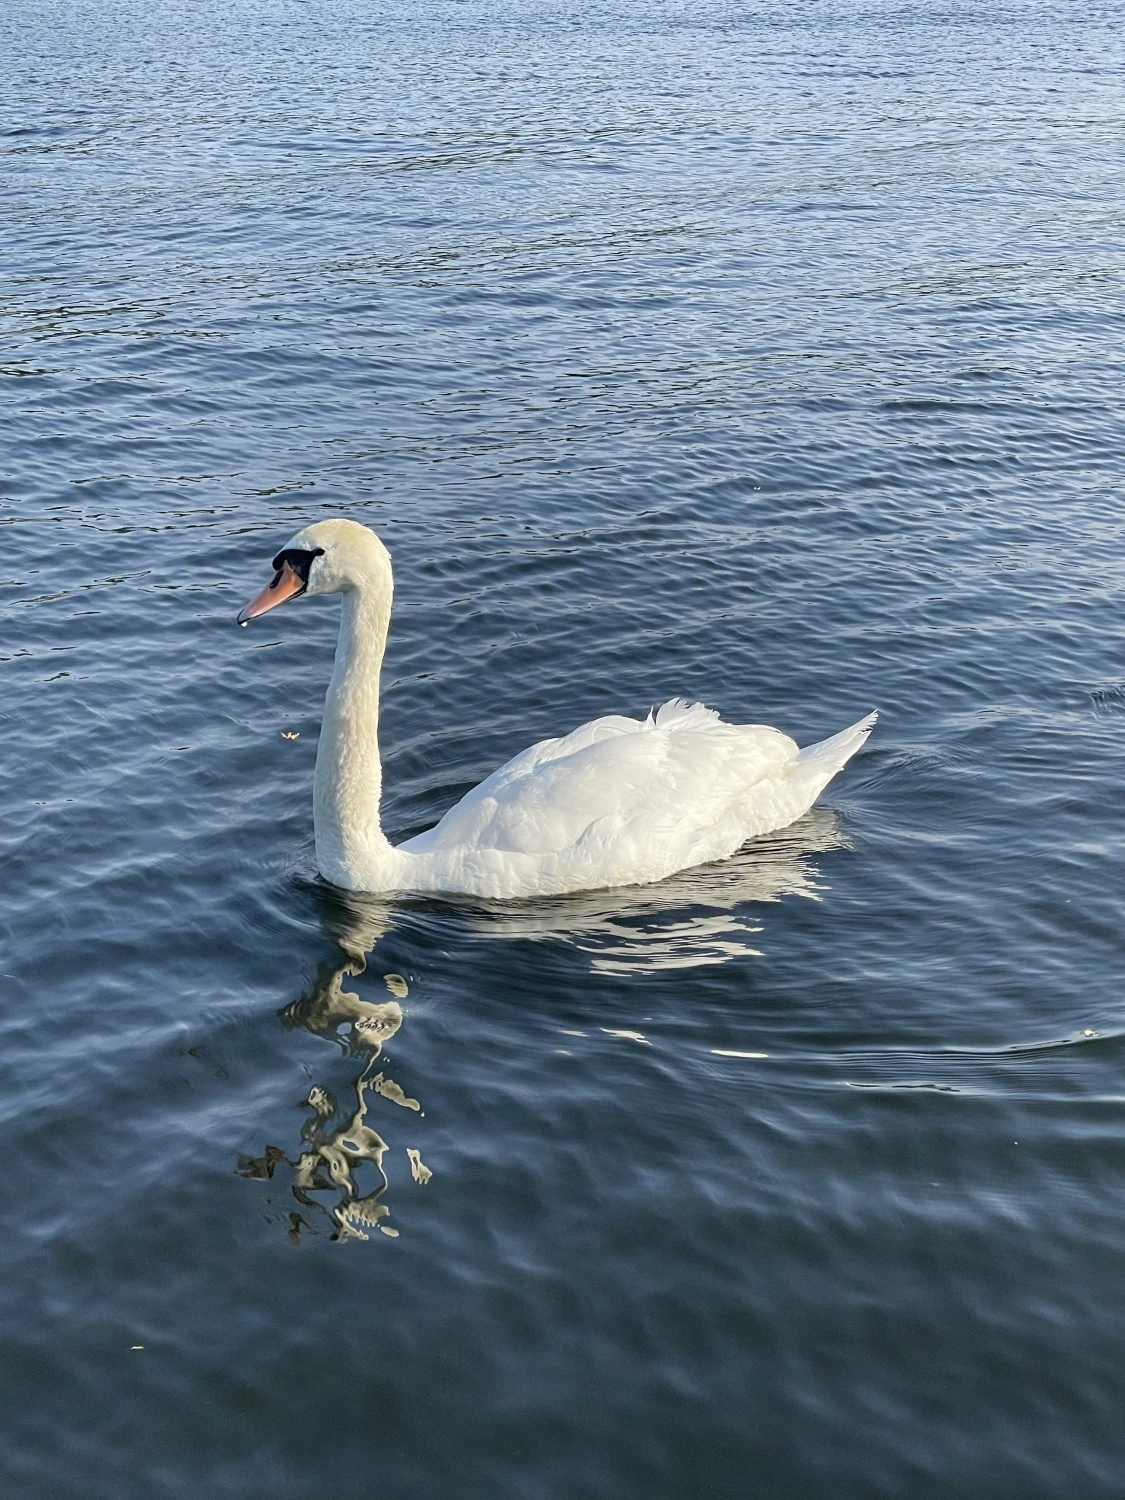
771 357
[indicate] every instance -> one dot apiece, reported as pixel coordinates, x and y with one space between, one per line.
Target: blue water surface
769 355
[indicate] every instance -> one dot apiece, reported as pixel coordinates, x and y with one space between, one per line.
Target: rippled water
771 356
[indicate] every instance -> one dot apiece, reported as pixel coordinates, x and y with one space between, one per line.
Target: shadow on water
699 917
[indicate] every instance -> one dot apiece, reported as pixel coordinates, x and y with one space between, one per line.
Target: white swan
617 802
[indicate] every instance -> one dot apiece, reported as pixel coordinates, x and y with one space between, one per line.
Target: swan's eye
299 560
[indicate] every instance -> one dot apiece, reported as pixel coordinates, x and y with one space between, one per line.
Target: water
766 355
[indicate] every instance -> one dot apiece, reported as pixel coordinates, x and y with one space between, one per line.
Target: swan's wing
466 820
666 778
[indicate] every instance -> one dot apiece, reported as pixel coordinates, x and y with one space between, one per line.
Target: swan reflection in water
702 916
699 917
337 1141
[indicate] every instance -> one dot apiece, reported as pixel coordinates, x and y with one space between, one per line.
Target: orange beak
284 584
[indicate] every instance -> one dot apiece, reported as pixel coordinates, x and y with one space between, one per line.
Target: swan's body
618 801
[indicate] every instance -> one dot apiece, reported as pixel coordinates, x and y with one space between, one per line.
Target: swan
616 802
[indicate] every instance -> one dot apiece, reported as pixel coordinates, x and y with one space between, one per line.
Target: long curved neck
351 850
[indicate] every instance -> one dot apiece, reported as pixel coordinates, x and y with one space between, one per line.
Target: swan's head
328 557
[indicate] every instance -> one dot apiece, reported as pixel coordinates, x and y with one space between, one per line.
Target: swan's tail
817 764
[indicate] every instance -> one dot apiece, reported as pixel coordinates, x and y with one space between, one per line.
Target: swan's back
620 801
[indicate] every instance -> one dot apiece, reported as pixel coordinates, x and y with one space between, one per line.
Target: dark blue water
767 355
